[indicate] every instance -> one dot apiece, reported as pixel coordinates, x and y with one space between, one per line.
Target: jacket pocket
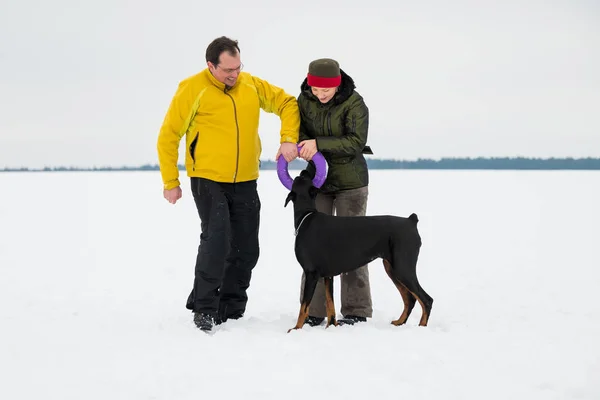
341 160
192 148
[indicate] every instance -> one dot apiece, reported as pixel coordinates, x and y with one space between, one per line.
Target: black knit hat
324 73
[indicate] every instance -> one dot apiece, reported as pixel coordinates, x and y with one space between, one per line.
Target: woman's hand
308 149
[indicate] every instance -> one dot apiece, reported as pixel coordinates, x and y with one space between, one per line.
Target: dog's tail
413 217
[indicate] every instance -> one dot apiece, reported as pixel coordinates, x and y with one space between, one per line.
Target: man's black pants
228 251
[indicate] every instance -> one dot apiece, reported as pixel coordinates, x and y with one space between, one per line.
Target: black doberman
328 245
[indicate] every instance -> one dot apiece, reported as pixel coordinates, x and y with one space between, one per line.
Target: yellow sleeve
275 100
171 132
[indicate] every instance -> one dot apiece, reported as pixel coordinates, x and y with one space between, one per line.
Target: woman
334 120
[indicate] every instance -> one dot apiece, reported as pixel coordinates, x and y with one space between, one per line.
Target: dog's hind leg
424 299
310 283
405 271
407 297
328 280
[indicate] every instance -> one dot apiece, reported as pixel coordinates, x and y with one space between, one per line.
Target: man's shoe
351 320
204 322
314 321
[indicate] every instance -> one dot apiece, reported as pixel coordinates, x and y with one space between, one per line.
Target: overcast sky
87 83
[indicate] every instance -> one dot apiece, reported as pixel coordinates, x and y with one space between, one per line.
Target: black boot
204 322
314 321
351 320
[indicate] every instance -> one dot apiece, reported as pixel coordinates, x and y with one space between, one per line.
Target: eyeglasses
231 70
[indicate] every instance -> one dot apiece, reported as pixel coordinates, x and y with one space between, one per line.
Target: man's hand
308 150
172 195
289 151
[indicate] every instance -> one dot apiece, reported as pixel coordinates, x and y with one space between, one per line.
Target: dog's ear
313 192
291 196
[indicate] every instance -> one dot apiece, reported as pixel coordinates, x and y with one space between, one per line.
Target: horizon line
390 161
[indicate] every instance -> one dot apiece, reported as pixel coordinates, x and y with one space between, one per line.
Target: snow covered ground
95 269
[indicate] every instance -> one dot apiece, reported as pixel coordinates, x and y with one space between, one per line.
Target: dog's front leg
301 317
328 280
310 283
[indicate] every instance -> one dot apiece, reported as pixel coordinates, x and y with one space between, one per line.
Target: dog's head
302 190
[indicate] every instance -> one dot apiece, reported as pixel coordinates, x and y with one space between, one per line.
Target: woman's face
324 94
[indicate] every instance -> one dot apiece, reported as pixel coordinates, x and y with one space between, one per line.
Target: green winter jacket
340 128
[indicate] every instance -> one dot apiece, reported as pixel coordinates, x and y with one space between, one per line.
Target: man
218 111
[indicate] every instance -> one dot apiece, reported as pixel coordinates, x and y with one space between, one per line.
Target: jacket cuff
171 184
288 139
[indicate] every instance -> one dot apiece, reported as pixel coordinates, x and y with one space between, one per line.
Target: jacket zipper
237 127
329 123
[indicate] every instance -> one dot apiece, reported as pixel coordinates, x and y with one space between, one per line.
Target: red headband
323 82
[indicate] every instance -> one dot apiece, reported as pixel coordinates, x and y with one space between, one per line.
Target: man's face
228 69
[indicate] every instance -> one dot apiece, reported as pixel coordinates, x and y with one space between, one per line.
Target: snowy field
95 269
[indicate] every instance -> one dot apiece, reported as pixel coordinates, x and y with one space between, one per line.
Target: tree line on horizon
493 163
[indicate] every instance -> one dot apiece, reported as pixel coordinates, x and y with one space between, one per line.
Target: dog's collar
300 224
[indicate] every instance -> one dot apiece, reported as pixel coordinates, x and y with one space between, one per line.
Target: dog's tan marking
301 317
406 299
425 315
403 292
328 281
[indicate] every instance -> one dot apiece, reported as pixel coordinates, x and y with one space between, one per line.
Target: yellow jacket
221 127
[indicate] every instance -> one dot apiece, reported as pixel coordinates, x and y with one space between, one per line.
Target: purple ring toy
320 175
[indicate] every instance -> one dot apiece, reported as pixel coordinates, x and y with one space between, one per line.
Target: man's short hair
219 46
